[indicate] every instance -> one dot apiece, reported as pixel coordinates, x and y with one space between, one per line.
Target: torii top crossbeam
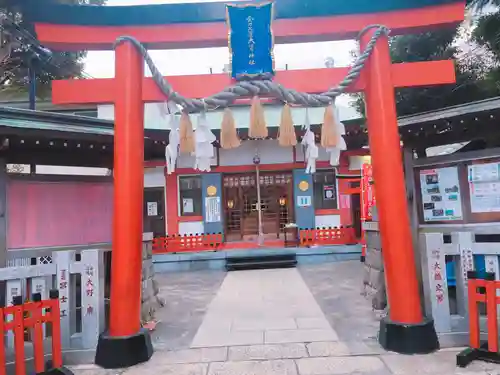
192 25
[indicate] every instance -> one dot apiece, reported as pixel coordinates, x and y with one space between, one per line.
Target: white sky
100 64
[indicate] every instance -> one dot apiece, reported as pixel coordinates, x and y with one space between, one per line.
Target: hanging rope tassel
287 136
258 127
228 135
186 134
329 133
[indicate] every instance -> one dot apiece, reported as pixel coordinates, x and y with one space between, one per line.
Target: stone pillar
150 300
374 276
3 226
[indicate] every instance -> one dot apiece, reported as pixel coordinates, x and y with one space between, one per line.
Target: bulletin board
464 192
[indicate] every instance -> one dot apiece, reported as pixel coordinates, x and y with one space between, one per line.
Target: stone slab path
263 307
306 321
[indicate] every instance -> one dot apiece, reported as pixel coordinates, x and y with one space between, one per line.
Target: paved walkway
307 321
263 307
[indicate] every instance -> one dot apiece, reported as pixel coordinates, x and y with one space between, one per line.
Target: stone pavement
263 307
307 321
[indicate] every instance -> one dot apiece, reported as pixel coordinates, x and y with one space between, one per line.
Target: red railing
188 242
215 242
481 290
327 236
31 315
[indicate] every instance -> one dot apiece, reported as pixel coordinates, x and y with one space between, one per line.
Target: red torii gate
407 330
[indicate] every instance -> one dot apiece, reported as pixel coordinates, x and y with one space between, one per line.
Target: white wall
191 227
327 221
188 161
356 162
155 117
322 154
154 177
269 151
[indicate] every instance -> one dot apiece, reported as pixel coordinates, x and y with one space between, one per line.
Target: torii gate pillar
126 343
404 330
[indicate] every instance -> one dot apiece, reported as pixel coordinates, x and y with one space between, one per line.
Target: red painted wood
58 213
327 212
128 172
84 91
195 35
172 211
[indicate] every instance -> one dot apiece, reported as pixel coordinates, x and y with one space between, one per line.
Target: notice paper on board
484 187
441 198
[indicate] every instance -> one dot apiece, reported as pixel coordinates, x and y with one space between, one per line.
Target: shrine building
176 200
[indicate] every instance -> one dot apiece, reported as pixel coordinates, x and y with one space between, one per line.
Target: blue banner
251 40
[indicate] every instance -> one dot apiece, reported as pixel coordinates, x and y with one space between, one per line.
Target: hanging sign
367 193
251 40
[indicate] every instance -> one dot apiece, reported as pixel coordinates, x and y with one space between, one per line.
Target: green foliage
14 75
477 69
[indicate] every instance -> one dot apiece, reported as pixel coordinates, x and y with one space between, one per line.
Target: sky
100 64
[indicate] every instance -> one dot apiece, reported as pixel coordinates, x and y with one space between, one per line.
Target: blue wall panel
212 179
303 200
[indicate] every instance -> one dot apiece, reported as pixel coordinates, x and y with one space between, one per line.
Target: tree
476 67
14 68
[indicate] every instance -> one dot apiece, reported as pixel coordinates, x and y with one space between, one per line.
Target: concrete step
261 262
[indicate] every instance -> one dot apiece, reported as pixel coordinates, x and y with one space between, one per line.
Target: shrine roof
62 139
50 121
206 12
456 124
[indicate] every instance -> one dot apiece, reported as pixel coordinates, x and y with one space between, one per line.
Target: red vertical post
474 335
128 193
402 285
3 361
55 319
18 318
405 330
491 312
36 315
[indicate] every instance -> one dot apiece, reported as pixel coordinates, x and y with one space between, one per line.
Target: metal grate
45 260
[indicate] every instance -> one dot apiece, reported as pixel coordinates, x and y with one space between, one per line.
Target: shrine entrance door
241 205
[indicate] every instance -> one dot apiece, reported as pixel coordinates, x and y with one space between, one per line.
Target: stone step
261 262
359 365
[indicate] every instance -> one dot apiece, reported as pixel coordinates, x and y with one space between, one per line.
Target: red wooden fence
183 243
31 315
214 242
481 289
327 236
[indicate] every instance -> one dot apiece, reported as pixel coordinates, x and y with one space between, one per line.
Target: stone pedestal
374 277
150 300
